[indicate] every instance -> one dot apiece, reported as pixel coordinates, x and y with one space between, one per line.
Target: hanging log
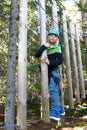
74 62
22 68
84 22
11 65
82 89
54 14
44 68
67 60
55 25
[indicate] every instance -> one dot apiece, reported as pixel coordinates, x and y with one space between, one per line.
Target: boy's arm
40 51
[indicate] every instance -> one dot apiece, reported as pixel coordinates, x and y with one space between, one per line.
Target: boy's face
52 38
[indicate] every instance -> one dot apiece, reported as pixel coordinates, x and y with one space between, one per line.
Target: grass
80 124
79 111
77 115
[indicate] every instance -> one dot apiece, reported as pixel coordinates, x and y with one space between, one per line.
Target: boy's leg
55 94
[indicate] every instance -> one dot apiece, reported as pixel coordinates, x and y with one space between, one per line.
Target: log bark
82 89
84 22
10 83
74 62
22 68
44 67
67 61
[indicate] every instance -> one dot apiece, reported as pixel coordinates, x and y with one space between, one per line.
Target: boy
53 59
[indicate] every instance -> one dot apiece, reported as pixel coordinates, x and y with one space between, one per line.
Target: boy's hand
45 60
48 45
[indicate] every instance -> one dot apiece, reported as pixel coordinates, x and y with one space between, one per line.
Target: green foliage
84 62
78 111
4 18
82 8
4 33
33 43
80 124
34 83
33 37
4 21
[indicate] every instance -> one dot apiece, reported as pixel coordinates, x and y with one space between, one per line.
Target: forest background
33 26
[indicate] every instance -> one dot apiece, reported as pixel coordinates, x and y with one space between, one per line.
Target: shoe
53 115
62 112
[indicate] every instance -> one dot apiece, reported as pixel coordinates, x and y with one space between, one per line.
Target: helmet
53 31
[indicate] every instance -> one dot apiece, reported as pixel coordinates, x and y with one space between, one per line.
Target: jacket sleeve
58 61
39 52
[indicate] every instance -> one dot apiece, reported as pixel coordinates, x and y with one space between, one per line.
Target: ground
73 120
53 125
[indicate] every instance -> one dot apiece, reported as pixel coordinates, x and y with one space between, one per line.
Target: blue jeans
54 91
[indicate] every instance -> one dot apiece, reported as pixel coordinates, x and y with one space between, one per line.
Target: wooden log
74 62
44 68
67 61
22 68
81 79
55 25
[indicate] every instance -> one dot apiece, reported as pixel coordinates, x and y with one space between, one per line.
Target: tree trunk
44 69
10 84
22 68
84 22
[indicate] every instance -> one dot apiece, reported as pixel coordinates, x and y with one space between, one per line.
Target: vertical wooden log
44 67
67 60
54 14
61 87
11 65
74 62
22 68
84 22
55 25
82 89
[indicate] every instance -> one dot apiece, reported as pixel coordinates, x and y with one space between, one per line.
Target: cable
15 125
72 35
45 11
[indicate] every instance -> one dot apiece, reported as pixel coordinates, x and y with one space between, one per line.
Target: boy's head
53 31
53 35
